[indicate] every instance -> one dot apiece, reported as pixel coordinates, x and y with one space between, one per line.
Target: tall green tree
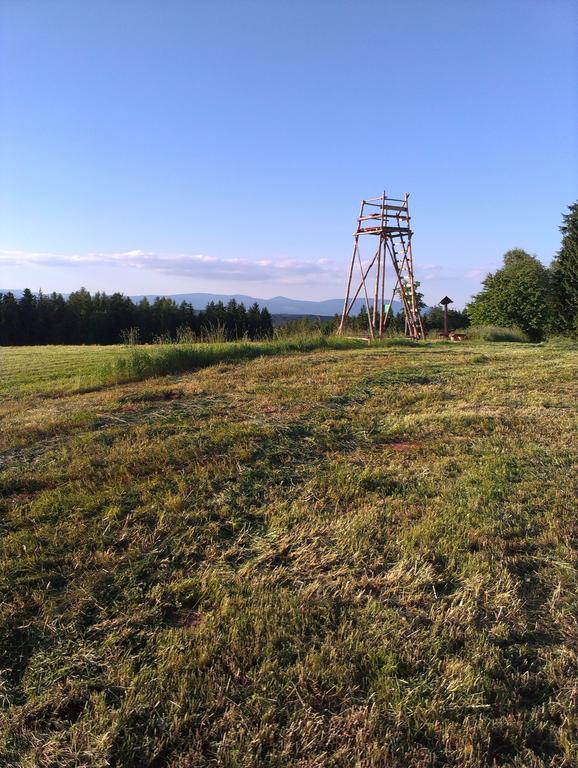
27 312
564 276
518 295
10 324
254 321
266 330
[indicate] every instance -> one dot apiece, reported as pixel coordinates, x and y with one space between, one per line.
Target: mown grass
51 369
325 558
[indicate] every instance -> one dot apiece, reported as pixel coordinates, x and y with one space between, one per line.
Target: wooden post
376 293
366 296
445 301
345 313
382 302
355 247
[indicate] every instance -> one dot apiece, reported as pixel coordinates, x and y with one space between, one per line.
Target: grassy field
337 557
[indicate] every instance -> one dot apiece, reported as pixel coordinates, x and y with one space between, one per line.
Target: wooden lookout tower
387 220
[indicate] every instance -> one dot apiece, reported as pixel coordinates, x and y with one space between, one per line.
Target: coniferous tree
10 332
231 320
564 276
27 316
58 330
266 329
254 321
241 320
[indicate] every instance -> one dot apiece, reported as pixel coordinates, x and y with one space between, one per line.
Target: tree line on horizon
541 301
83 318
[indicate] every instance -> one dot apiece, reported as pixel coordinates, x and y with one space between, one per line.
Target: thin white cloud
279 271
480 272
426 272
282 270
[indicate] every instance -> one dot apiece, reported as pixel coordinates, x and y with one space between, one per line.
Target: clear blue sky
173 146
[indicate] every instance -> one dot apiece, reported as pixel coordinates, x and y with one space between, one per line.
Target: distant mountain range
278 305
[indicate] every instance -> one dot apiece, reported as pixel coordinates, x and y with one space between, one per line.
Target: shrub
517 295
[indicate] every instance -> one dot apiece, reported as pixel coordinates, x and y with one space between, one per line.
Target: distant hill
278 305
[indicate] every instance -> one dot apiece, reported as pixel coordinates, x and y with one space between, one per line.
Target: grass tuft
496 333
138 363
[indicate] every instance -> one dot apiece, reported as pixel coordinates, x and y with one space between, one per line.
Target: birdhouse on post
445 301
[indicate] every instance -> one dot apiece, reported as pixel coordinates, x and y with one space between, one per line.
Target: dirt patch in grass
404 445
